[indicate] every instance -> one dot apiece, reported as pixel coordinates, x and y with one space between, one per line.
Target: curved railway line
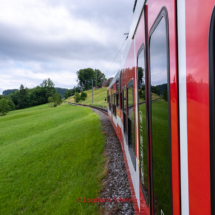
103 110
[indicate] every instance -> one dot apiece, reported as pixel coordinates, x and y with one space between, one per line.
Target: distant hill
58 89
61 91
8 92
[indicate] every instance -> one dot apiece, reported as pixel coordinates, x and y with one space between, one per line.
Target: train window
212 105
121 90
160 118
124 111
131 124
117 93
114 105
142 123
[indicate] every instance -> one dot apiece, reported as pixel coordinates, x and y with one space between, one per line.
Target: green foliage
61 91
165 97
11 105
57 99
140 76
44 166
51 101
68 93
4 108
155 89
25 97
78 97
85 77
1 97
83 95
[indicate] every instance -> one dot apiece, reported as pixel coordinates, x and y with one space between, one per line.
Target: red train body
161 104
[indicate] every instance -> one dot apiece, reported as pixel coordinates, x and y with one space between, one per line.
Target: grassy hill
49 157
98 97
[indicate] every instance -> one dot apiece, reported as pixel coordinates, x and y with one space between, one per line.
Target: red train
162 106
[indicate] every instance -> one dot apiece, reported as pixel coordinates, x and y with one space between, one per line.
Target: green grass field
98 98
48 158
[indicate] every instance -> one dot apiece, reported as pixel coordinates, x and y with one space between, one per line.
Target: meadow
99 96
49 157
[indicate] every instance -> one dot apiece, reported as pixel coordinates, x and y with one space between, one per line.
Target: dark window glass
143 126
124 111
161 166
131 124
124 99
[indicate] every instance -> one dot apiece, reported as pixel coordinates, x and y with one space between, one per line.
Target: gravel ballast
116 184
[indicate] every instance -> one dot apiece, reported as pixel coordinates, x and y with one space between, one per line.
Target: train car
162 106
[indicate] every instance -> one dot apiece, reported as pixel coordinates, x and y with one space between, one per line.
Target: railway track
103 110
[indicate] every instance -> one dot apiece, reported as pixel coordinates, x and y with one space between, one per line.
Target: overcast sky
42 39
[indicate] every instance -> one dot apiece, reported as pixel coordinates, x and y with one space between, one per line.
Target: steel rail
95 107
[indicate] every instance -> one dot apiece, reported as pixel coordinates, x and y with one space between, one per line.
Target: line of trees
24 97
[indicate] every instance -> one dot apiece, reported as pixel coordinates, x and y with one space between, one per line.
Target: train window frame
130 149
211 52
124 112
143 49
162 14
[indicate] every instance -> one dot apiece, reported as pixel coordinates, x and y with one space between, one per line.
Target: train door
158 108
159 96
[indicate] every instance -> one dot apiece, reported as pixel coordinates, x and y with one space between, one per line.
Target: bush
83 96
4 107
50 101
57 99
11 105
78 97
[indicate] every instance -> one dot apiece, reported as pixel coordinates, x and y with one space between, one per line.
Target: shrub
78 97
4 107
57 99
83 96
50 101
11 105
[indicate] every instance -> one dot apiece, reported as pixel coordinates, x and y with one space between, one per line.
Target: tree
22 99
48 85
4 108
85 76
68 93
100 77
11 105
165 95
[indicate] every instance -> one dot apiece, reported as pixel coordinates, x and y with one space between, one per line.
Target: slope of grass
48 158
99 96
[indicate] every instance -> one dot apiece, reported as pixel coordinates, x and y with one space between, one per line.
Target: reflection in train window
131 124
142 124
124 110
117 93
161 163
